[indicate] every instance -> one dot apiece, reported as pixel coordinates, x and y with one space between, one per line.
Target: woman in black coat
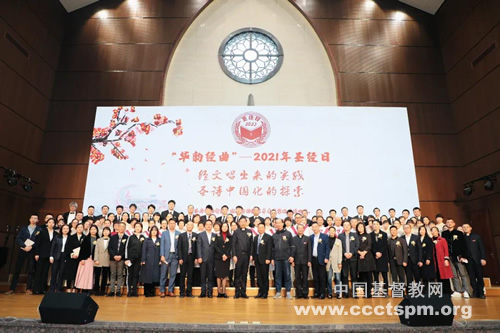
133 256
43 244
59 255
428 270
366 261
150 270
71 266
222 259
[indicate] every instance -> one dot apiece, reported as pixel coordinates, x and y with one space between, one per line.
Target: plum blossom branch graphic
123 126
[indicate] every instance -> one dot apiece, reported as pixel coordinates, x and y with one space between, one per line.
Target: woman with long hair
442 260
85 273
150 262
366 262
428 269
222 259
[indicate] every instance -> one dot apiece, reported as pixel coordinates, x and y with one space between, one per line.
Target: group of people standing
170 249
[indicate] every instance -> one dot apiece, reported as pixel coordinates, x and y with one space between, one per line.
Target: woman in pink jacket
442 261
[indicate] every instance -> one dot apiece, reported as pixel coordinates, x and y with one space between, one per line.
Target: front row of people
86 262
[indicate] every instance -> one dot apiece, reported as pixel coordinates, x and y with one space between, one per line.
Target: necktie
260 238
189 238
347 244
119 242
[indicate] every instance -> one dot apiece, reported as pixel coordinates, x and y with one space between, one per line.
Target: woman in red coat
442 261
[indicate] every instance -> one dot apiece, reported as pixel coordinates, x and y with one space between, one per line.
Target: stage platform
19 312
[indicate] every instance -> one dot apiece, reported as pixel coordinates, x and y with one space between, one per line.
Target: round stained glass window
250 55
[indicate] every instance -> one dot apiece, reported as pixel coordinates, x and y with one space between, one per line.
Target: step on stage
19 313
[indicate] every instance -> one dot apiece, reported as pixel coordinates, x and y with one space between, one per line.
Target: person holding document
25 240
74 245
85 273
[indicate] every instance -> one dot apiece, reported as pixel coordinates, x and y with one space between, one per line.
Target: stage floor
223 311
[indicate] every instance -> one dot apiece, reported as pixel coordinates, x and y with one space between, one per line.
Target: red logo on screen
251 129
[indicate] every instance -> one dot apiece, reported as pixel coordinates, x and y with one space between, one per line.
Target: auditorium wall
469 34
31 33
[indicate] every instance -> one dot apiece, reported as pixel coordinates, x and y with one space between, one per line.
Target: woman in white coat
334 266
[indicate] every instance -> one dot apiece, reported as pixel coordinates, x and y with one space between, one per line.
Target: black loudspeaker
428 311
63 308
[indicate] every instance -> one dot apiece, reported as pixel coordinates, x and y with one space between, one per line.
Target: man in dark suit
320 255
458 253
476 261
379 250
392 216
262 248
345 215
187 258
71 215
26 253
90 215
205 253
457 248
170 210
43 244
104 212
208 211
302 262
116 249
223 218
256 212
239 214
242 255
361 214
350 245
412 269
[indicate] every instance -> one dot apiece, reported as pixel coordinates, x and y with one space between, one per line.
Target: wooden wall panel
108 86
19 136
127 30
423 118
481 20
78 143
437 184
464 74
447 24
19 95
31 68
109 57
68 116
399 88
481 139
435 150
349 9
73 177
381 59
374 32
20 17
479 100
143 8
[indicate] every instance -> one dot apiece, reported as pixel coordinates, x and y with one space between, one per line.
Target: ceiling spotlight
468 189
28 185
11 177
488 184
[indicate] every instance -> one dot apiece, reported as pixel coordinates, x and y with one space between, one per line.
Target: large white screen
370 158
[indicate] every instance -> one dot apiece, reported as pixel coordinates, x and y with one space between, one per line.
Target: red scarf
224 233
